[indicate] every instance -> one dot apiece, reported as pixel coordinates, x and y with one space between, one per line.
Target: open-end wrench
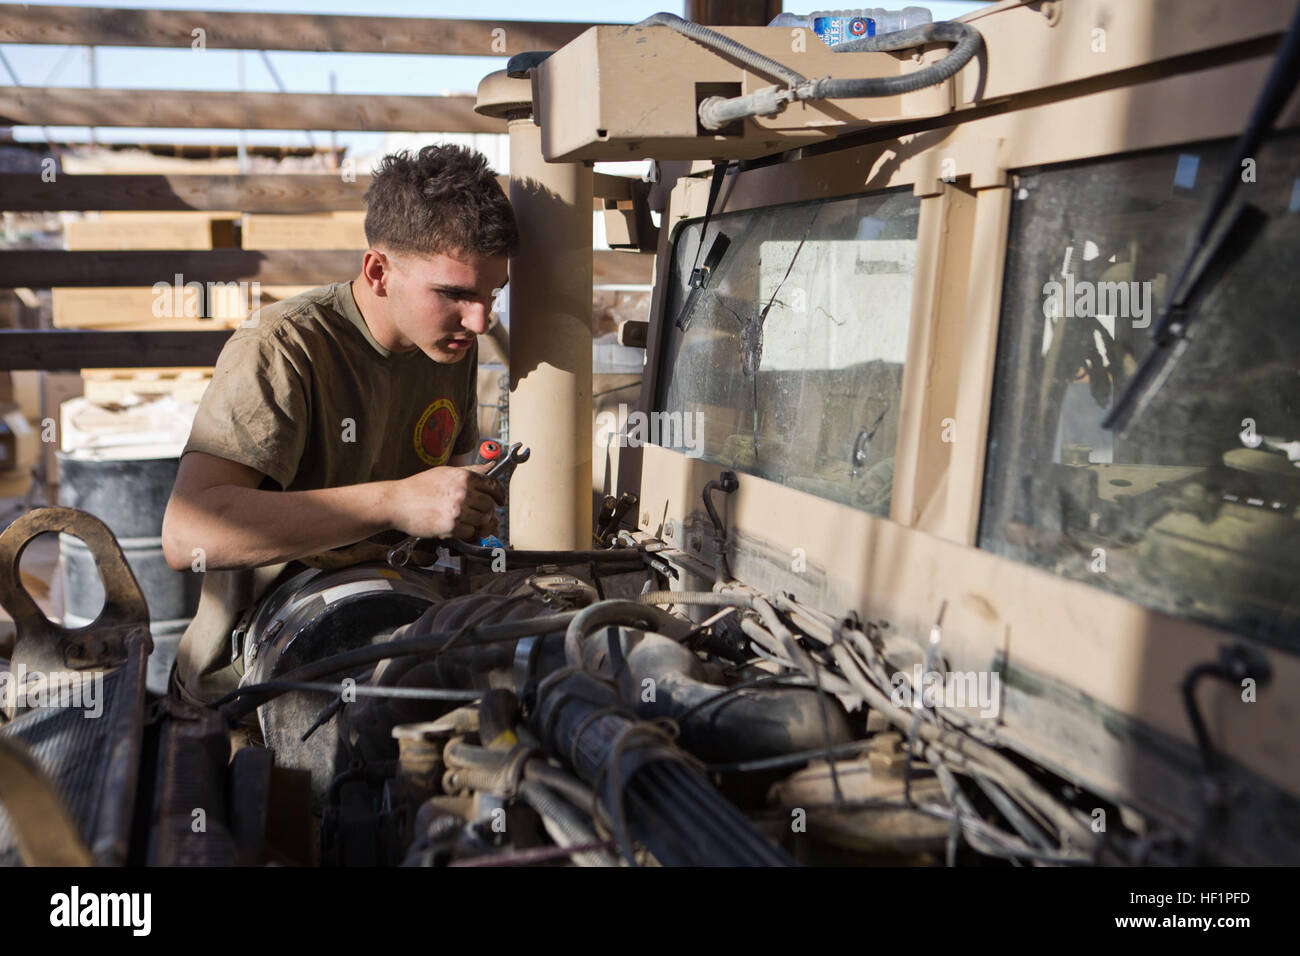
515 455
400 555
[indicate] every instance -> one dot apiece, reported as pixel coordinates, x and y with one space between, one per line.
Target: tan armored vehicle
956 518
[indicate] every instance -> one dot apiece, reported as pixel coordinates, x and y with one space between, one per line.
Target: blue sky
186 69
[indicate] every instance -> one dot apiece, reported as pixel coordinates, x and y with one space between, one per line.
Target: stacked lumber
125 386
183 306
338 230
152 230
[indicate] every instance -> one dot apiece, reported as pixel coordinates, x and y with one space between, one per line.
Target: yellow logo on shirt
435 432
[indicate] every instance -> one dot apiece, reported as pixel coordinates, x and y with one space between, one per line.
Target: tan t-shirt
306 396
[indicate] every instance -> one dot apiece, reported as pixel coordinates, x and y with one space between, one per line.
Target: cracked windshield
795 326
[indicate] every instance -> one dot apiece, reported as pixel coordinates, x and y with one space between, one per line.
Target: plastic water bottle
839 26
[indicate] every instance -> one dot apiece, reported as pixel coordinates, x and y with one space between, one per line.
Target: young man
347 410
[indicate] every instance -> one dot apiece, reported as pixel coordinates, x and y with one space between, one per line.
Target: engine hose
562 782
564 824
719 723
244 700
699 598
763 643
462 756
604 613
457 779
716 112
772 637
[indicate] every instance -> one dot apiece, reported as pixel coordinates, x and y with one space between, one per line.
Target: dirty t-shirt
305 395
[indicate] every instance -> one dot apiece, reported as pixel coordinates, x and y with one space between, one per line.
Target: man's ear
375 267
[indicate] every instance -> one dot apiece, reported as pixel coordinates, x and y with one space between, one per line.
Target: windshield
1194 511
792 359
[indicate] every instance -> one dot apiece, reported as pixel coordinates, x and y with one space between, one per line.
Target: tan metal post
550 330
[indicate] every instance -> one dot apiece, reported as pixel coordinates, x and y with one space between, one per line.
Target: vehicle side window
1194 510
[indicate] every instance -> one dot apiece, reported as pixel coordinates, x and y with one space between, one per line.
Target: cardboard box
31 389
19 441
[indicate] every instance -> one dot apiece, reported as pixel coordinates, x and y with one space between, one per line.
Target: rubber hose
245 700
565 825
462 756
716 112
603 613
968 42
473 778
561 781
700 598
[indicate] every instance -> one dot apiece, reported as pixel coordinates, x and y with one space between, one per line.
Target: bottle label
835 30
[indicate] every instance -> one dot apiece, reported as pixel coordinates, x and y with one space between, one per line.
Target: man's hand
446 502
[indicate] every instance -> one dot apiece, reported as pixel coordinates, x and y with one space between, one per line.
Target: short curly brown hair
443 200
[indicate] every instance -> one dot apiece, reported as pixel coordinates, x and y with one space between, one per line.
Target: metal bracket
103 643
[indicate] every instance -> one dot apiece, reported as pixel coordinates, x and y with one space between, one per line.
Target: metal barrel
129 495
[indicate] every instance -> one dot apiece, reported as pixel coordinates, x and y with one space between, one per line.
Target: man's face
439 303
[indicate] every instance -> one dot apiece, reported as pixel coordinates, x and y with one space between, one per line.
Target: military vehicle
956 520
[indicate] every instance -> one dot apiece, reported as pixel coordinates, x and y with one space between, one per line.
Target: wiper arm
1169 332
1208 262
699 280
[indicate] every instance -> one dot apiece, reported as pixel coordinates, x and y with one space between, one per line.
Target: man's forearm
229 526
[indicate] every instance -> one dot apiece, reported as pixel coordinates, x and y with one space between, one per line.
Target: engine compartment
608 707
597 713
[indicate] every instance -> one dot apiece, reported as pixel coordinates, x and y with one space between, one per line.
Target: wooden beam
89 26
255 192
74 106
74 349
45 269
270 193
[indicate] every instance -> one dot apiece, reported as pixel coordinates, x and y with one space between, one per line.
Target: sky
186 69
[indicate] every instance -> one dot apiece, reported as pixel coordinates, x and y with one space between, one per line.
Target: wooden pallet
116 386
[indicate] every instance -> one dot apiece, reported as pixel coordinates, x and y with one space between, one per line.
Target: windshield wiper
1215 248
699 280
1170 330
